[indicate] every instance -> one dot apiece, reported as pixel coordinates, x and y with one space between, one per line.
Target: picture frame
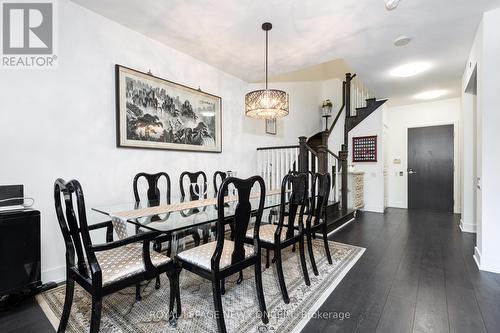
155 113
271 126
364 148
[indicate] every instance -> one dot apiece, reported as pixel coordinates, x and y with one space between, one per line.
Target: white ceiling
227 34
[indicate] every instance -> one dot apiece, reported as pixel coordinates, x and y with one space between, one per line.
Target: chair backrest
194 188
242 215
321 192
74 227
221 175
153 192
297 184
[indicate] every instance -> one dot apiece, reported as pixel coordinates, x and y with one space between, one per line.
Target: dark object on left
19 251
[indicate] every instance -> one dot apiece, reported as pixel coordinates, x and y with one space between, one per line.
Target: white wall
399 119
373 125
61 122
305 113
485 53
469 219
374 171
332 90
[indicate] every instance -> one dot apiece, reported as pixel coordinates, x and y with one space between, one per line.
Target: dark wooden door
430 168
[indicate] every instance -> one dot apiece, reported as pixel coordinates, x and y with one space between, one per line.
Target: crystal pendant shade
266 104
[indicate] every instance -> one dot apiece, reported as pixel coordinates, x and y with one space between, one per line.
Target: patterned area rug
122 314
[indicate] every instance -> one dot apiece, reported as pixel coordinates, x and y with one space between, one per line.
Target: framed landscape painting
156 113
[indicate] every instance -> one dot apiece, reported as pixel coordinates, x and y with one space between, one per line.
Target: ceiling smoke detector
402 41
392 4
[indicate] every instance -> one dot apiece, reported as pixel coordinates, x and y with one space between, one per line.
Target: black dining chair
218 178
279 236
316 221
221 258
154 199
196 192
103 269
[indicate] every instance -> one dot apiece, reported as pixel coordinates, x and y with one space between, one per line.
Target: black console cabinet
19 251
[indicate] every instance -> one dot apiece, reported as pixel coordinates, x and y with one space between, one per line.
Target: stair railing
359 94
273 163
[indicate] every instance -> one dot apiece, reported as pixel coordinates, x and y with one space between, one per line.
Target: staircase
312 154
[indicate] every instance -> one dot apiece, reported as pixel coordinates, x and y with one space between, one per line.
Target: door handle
411 172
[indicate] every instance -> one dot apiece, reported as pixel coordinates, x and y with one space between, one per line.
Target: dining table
175 216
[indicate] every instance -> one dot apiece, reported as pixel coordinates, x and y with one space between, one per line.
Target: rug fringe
51 316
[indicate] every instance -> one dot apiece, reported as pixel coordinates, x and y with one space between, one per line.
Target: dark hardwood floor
417 275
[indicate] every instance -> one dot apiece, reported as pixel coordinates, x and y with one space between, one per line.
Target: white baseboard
477 257
341 227
375 209
467 227
397 204
485 268
483 265
56 275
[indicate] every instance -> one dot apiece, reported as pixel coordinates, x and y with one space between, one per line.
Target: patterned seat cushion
266 233
202 255
125 261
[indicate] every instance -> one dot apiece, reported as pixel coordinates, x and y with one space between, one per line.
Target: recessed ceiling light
392 4
431 94
402 41
410 69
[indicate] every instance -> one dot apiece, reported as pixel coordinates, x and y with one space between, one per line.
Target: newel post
343 163
322 158
303 153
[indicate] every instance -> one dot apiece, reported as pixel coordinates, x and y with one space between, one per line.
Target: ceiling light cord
267 43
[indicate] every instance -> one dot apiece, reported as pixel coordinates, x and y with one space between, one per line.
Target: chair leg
158 283
173 295
311 253
260 291
157 246
240 278
196 238
178 292
95 320
219 314
138 297
281 277
206 235
267 258
169 248
303 261
68 301
325 241
223 286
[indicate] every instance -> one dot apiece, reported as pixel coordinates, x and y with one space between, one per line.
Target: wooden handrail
332 153
340 111
311 150
278 147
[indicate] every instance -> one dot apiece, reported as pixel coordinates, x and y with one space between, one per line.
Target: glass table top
187 218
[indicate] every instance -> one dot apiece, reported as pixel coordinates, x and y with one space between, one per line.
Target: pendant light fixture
266 103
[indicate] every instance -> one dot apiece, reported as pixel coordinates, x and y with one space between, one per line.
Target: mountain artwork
157 113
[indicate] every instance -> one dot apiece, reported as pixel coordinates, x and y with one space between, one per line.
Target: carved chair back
320 194
242 214
196 191
75 229
297 184
219 175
